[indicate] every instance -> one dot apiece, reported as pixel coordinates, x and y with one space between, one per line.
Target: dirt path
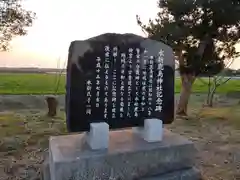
218 147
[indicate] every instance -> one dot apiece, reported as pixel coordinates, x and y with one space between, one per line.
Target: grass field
20 83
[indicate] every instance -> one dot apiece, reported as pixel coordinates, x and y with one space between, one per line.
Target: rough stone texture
185 174
84 73
128 157
45 174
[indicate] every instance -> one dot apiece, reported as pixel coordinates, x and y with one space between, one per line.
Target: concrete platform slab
128 157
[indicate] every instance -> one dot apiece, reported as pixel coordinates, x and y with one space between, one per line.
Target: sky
61 21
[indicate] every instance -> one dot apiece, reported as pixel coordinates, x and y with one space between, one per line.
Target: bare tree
215 81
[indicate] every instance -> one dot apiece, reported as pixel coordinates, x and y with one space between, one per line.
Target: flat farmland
37 83
31 83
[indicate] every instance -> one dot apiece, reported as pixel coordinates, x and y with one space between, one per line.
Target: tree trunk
52 106
187 82
210 103
211 92
211 95
209 89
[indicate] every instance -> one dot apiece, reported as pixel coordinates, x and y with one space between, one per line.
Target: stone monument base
128 157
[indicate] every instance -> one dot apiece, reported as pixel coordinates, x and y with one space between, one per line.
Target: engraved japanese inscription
120 83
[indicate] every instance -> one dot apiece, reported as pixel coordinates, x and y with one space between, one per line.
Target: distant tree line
231 72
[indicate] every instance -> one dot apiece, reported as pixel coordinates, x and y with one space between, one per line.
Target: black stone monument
120 79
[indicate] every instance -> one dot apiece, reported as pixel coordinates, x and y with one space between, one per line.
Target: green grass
33 83
200 87
30 83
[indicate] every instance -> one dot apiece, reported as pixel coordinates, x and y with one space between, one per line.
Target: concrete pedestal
128 157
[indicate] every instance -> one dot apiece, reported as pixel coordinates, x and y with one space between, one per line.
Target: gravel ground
24 137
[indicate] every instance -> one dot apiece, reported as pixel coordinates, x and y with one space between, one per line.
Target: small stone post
52 105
